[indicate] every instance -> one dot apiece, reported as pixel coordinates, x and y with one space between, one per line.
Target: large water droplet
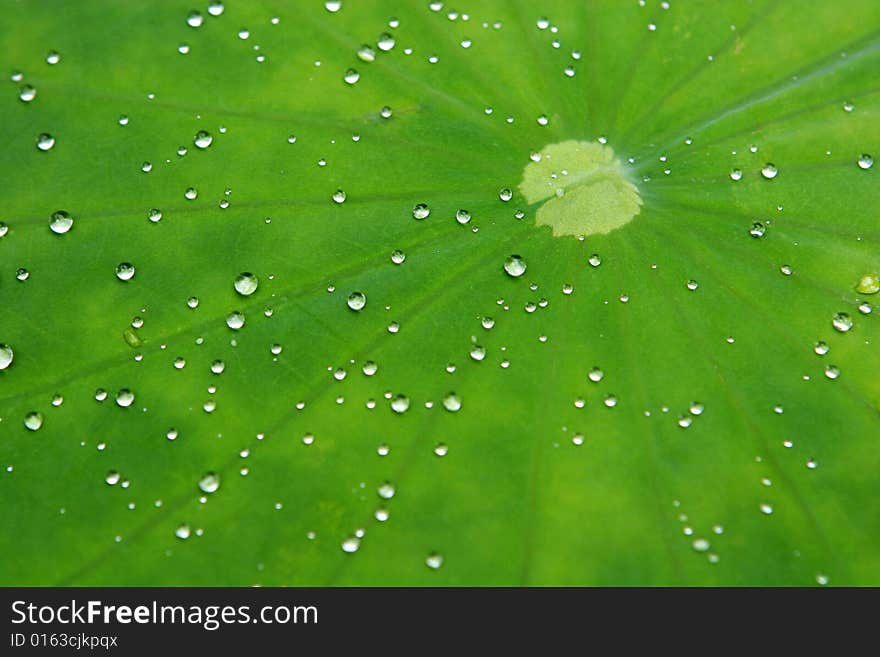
60 222
386 490
769 171
124 398
203 139
356 300
351 544
124 271
246 283
6 356
515 266
27 93
182 532
45 142
351 76
33 420
865 161
421 211
195 19
842 322
452 402
868 284
400 404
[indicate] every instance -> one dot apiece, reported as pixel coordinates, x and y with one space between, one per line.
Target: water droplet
865 161
462 217
124 398
610 401
182 532
832 371
769 171
53 57
736 174
515 266
757 229
209 483
385 42
596 374
235 320
45 141
478 353
421 211
6 356
766 509
218 366
27 93
505 194
22 274
700 544
400 404
398 257
386 491
696 408
434 561
786 270
370 368
33 420
821 348
338 196
246 283
356 300
4 228
195 19
215 8
594 260
154 215
112 478
441 449
351 76
868 284
452 402
124 271
685 421
822 580
842 322
191 194
203 139
351 544
692 285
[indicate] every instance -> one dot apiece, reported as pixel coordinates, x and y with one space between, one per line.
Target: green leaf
648 403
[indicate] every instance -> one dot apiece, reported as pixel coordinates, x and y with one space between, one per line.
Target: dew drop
596 374
246 283
398 257
33 421
356 300
209 483
6 356
182 532
452 402
736 175
351 76
757 229
515 266
203 139
386 490
45 141
434 561
462 217
400 404
124 271
700 544
195 19
842 322
421 211
865 161
27 93
868 284
351 544
124 398
338 196
154 215
235 320
769 171
505 194
385 42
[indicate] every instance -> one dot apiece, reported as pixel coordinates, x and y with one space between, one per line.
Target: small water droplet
700 544
125 271
27 93
766 509
215 8
421 211
757 229
594 260
462 216
398 257
865 161
191 194
769 171
53 57
452 402
124 398
596 374
6 356
351 76
505 194
434 561
203 139
45 141
338 196
182 532
842 322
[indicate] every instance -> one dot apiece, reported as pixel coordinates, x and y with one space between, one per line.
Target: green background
514 502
